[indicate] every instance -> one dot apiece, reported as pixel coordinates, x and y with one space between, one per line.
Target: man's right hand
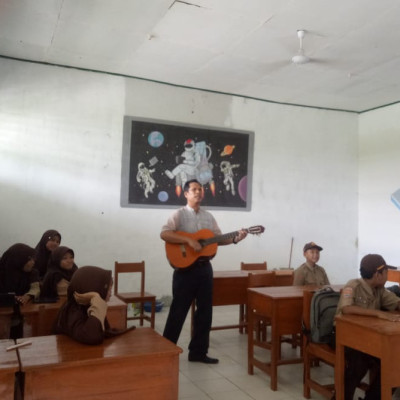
194 244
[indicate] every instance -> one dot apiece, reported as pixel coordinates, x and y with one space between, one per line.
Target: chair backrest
393 275
284 277
261 279
253 266
133 267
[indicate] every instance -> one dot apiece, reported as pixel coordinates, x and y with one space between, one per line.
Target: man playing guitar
196 281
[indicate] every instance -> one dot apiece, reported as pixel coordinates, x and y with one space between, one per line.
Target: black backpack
322 313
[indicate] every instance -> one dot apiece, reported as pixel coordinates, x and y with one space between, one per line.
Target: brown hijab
90 279
72 319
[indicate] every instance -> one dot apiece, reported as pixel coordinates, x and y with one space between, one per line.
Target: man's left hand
240 236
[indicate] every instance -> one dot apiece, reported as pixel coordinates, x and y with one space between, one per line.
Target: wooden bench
140 364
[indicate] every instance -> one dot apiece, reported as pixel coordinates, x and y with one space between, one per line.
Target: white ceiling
241 47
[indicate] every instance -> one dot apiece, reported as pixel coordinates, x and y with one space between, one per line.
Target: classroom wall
61 135
379 165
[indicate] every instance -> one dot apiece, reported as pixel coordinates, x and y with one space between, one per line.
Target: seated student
59 272
367 296
17 273
310 273
83 316
50 240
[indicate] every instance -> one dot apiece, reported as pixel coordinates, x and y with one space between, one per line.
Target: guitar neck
219 238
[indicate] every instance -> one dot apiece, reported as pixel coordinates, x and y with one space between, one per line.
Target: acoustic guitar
181 255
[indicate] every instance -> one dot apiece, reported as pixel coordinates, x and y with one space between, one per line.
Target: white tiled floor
229 379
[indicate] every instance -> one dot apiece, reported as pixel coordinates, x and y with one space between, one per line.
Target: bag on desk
7 299
15 325
322 314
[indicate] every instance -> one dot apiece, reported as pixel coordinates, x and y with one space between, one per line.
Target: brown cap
311 245
373 262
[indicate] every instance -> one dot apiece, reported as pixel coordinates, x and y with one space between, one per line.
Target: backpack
322 314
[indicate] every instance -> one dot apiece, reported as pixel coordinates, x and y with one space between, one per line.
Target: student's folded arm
356 310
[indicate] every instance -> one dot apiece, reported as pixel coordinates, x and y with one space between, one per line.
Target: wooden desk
39 318
393 275
284 307
230 287
8 367
139 365
374 336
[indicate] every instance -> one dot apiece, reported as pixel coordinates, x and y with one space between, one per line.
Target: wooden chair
139 297
260 279
265 279
313 353
242 307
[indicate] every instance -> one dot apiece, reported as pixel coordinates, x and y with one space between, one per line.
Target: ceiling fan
300 57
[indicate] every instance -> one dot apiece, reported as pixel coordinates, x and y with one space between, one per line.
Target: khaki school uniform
308 275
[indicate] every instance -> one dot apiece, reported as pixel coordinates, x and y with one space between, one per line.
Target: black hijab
55 273
12 276
42 253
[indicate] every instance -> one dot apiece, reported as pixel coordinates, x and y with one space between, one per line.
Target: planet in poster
242 188
155 139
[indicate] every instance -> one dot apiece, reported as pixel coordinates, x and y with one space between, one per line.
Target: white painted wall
379 221
60 164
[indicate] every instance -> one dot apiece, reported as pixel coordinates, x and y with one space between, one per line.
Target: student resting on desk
367 296
17 273
194 283
59 272
310 273
50 240
83 316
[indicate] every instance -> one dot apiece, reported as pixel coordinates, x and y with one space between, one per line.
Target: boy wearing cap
367 296
310 273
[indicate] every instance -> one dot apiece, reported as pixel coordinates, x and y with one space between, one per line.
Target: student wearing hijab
17 273
50 240
83 316
60 269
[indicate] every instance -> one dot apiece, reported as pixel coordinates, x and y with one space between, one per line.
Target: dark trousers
357 366
192 283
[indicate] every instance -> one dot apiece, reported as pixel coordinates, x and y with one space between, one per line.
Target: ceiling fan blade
275 65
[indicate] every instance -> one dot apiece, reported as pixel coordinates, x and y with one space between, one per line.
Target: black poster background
155 147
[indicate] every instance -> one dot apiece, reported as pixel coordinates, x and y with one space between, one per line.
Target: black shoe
204 359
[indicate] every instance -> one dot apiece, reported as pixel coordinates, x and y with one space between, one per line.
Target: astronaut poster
159 157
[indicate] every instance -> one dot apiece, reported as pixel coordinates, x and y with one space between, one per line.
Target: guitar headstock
256 229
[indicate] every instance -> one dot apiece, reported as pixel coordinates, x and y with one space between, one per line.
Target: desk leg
339 372
250 341
275 355
386 389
